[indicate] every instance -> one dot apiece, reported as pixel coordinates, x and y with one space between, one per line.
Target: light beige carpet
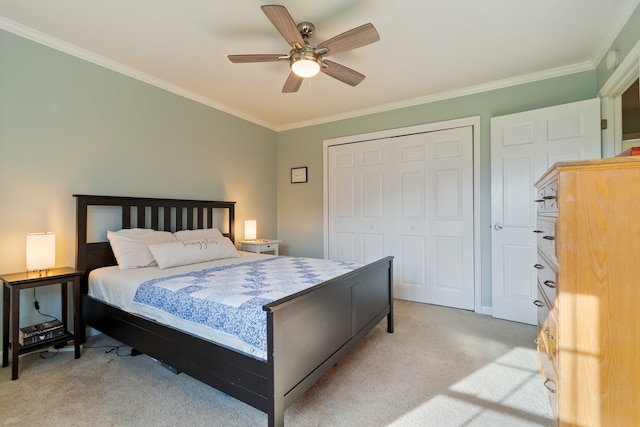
442 367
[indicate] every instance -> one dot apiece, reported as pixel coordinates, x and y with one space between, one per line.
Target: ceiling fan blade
260 57
342 73
352 39
293 83
284 23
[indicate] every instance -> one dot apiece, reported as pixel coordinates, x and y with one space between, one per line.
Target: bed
307 332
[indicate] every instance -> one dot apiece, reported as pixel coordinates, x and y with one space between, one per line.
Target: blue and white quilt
230 298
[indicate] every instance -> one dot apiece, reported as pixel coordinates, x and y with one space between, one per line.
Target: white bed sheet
118 287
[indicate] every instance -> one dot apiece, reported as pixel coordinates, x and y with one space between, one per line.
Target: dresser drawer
549 333
547 325
546 200
547 279
546 237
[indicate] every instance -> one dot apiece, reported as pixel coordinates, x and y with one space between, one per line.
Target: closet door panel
410 197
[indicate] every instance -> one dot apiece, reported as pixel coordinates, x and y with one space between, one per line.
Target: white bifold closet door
410 197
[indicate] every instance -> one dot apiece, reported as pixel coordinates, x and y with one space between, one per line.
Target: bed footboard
309 333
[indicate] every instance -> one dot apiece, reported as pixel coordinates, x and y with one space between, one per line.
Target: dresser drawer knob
538 266
549 197
538 303
546 384
547 331
549 237
550 283
538 231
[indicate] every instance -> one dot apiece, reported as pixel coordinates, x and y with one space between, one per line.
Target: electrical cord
36 304
113 348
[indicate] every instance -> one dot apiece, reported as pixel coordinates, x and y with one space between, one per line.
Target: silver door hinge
603 124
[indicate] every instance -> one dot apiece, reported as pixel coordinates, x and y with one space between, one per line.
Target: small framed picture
298 175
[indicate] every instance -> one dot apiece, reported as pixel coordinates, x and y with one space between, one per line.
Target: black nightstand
12 284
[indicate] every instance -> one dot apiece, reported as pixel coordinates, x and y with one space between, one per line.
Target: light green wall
68 126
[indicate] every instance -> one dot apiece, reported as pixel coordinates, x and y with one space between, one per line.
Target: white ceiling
428 50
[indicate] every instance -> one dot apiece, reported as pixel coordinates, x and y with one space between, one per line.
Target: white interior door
410 197
432 205
358 214
523 147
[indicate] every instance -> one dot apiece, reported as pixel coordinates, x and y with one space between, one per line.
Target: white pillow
207 233
192 251
131 246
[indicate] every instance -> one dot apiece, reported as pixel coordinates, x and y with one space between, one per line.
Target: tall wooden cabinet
589 290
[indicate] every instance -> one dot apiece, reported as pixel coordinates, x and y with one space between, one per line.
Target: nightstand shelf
12 284
261 246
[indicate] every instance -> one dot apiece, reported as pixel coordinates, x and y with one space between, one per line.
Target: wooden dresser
589 290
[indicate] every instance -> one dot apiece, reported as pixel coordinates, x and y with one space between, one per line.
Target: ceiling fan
305 59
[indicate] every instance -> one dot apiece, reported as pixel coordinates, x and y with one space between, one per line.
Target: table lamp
41 251
250 228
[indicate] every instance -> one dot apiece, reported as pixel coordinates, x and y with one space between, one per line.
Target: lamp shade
250 229
41 251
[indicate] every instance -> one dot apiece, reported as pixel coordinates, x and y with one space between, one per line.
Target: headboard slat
126 217
154 217
141 216
167 217
179 218
200 213
190 214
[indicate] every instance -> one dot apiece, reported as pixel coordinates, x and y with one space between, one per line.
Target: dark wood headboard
143 212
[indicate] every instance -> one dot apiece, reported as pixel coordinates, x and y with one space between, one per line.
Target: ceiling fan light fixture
305 64
306 60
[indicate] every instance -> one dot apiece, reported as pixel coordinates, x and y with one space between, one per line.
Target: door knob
497 227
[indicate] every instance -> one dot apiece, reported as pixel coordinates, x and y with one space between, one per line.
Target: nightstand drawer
261 245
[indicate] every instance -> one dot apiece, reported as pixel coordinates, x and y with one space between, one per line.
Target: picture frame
298 175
